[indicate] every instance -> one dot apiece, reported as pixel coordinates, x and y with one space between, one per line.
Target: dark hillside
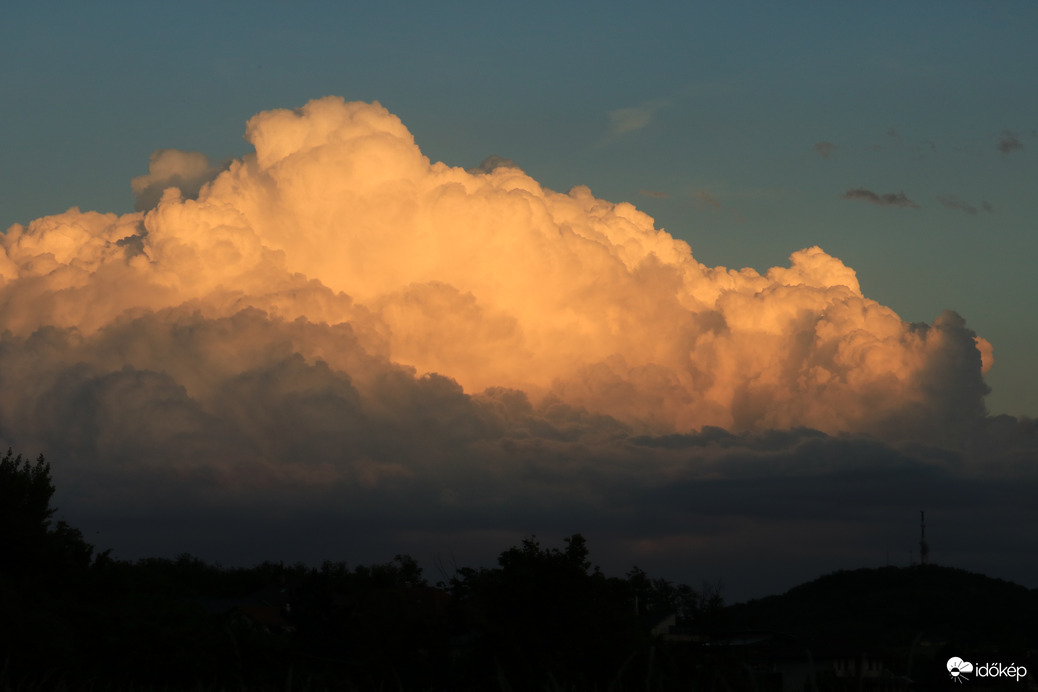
912 619
891 605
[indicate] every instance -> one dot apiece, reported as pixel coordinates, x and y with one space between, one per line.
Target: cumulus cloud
489 279
186 170
335 328
889 199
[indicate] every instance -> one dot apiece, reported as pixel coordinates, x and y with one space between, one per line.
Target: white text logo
958 668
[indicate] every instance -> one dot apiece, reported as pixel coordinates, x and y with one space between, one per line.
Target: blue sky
899 137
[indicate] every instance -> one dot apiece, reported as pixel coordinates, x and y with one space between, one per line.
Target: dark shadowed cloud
492 163
889 199
1009 143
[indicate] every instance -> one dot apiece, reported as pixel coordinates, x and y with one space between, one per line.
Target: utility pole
924 549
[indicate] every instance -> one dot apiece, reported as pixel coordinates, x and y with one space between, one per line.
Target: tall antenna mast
924 549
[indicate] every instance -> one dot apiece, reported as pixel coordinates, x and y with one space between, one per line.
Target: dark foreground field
544 618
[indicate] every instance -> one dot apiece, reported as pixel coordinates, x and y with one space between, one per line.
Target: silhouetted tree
548 611
25 511
657 598
43 571
28 542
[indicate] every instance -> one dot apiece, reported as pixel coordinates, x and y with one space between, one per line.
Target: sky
735 291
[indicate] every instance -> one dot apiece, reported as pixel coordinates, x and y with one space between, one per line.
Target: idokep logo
957 669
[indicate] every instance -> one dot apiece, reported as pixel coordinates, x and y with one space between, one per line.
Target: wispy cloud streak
888 199
953 202
624 121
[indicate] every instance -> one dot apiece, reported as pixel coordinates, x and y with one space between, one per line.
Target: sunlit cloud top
486 278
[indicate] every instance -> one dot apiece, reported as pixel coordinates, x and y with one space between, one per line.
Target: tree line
542 618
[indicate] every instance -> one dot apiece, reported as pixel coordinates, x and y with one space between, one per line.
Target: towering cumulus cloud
336 310
485 278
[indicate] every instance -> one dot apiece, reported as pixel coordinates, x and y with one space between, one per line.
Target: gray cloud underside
174 431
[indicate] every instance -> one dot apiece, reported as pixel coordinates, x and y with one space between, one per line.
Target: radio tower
924 549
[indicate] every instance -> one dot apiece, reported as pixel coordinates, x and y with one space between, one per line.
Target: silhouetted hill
893 606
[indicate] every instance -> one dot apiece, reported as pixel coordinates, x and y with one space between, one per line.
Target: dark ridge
890 605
